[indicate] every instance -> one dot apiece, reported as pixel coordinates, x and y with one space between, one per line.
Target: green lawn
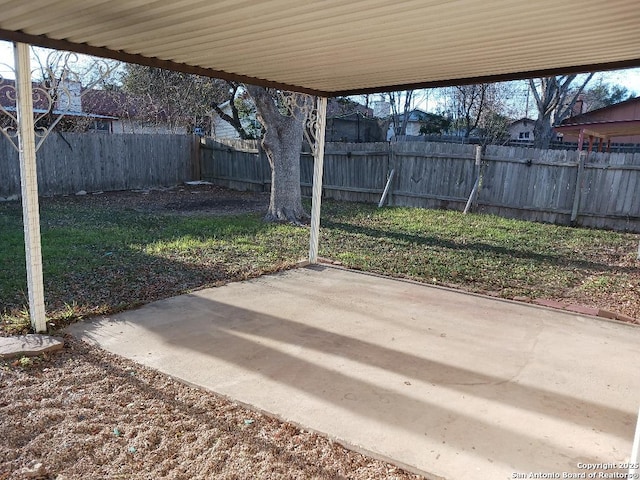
99 260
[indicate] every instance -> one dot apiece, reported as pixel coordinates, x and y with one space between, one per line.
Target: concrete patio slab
447 384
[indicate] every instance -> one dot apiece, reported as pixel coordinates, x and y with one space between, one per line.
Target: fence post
578 191
476 185
265 173
391 167
387 187
196 160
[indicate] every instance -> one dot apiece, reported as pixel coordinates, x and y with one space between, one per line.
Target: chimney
69 96
579 106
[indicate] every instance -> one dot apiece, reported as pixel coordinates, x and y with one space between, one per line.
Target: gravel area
84 413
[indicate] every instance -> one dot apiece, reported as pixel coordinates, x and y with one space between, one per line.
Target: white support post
635 452
29 186
318 164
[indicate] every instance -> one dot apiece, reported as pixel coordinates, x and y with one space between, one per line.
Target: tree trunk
543 131
555 99
282 143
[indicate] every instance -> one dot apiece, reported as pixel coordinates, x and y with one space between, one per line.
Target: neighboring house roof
41 104
618 120
415 115
66 113
620 110
94 103
121 105
106 102
343 107
8 96
524 121
621 128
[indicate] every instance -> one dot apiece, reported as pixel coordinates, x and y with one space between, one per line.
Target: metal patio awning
336 47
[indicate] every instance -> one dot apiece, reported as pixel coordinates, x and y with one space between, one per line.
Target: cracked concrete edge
583 310
30 345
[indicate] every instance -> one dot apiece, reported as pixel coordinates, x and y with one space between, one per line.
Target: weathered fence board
518 182
72 162
234 164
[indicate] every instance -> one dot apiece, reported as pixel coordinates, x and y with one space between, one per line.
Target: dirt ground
187 199
86 414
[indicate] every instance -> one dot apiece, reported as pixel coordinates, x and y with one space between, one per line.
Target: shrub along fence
72 162
557 186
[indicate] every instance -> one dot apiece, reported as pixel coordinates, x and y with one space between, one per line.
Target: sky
427 101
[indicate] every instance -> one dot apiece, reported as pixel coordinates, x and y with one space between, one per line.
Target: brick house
619 122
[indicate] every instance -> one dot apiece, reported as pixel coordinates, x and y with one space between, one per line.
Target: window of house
524 135
100 126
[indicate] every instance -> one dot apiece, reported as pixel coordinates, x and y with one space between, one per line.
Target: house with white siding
521 130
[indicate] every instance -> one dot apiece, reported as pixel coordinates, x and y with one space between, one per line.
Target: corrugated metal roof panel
333 46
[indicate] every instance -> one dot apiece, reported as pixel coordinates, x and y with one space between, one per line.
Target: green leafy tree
434 124
604 94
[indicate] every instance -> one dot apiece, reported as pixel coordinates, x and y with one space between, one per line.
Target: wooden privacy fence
556 186
72 162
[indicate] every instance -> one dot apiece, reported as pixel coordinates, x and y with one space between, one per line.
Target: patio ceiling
337 47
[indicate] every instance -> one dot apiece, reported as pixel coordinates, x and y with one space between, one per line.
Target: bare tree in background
603 94
177 99
555 99
480 108
470 102
400 107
